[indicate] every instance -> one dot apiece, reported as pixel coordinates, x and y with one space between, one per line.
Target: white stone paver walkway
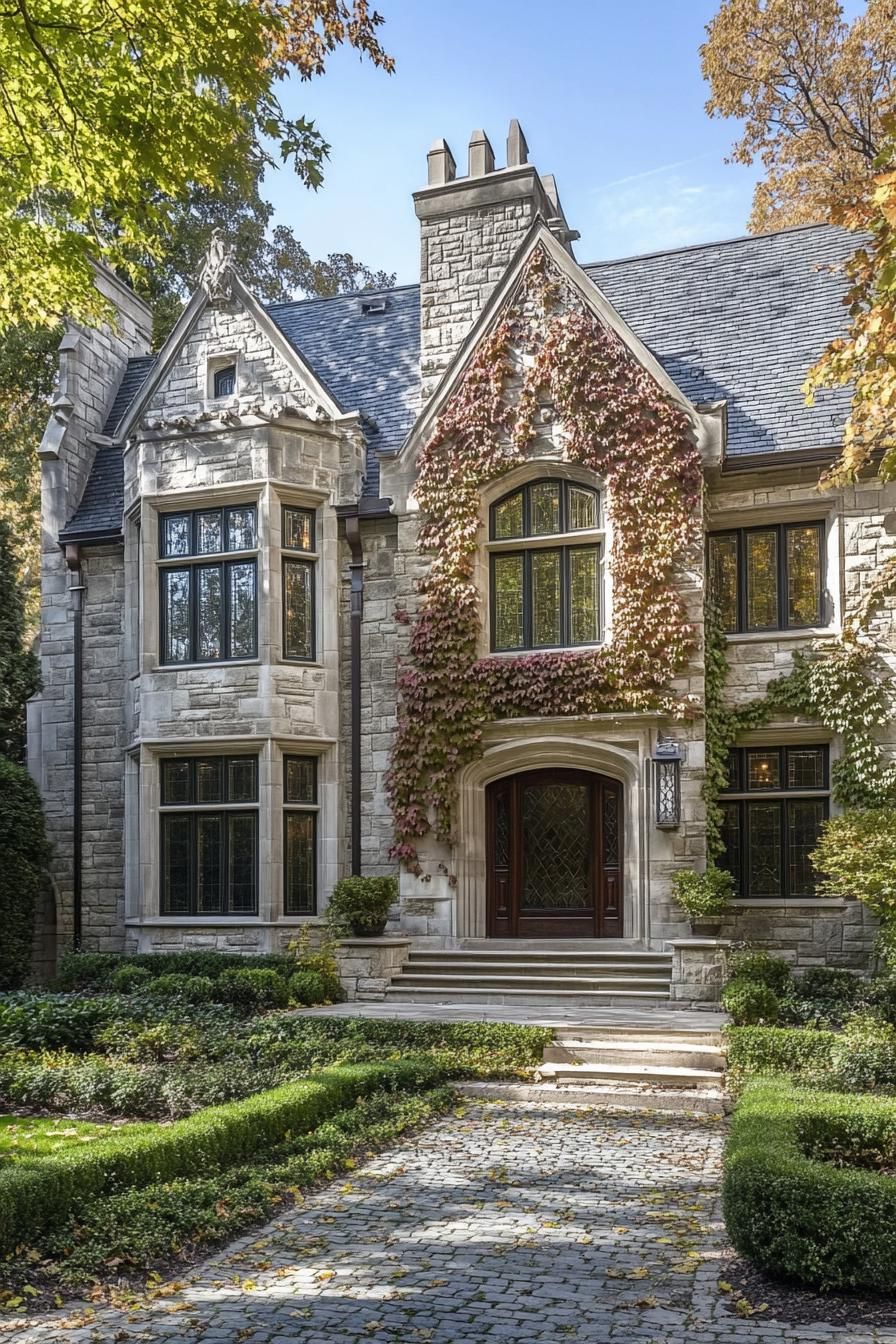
522 1221
530 1014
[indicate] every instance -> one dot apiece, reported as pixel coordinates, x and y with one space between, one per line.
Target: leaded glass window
299 584
209 835
545 596
768 578
772 811
209 608
299 835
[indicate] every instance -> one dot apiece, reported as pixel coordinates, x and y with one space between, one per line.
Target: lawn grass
39 1136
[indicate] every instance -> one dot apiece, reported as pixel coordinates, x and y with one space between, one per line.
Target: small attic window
224 382
377 303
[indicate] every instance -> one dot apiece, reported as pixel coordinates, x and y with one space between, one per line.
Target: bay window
545 592
209 835
209 585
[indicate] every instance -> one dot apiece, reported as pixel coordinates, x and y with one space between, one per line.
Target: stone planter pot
373 928
706 926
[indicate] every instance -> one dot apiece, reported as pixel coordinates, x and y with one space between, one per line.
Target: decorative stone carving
215 274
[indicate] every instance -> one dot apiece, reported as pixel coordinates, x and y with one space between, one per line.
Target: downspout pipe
356 572
76 590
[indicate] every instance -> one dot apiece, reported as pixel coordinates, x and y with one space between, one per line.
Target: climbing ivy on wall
838 683
548 360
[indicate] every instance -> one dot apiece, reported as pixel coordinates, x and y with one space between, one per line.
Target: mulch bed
801 1306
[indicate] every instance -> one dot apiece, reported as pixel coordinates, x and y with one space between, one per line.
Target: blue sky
609 95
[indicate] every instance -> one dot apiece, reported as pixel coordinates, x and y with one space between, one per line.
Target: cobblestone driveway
519 1221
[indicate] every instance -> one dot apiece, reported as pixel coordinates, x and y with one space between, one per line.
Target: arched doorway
554 855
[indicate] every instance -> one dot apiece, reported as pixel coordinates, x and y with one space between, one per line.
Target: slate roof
740 320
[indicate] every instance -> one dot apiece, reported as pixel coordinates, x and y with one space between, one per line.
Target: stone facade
282 439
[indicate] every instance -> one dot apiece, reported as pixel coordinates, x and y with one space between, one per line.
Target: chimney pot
482 156
517 149
440 164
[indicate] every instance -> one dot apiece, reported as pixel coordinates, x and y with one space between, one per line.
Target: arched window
545 567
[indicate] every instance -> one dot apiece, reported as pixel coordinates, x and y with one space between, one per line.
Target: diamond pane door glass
508 517
611 828
804 820
299 860
556 836
507 596
764 859
723 578
762 580
298 580
176 605
544 508
582 509
545 598
803 576
242 610
243 830
584 575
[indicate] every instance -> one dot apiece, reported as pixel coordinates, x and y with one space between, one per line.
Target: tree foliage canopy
19 677
817 97
110 113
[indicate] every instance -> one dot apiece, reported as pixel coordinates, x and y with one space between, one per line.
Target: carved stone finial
214 276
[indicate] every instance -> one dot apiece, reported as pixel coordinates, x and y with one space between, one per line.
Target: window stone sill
791 903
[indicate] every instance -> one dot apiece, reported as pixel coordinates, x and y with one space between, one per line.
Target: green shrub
94 970
23 857
360 905
790 1208
310 987
824 996
34 1195
880 996
87 970
800 1052
129 980
702 895
762 969
52 1021
856 857
864 1055
750 1003
252 989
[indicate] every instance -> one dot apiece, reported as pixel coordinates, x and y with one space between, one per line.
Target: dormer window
545 566
224 382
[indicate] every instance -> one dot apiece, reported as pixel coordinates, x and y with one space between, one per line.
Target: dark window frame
223 812
225 371
223 560
782 576
565 597
526 489
301 559
743 798
311 809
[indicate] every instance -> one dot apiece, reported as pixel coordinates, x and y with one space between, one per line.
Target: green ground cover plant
36 1193
808 1191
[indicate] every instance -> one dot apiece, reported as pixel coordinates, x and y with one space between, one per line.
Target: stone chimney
470 229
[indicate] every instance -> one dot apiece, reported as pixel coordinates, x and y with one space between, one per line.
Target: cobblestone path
518 1221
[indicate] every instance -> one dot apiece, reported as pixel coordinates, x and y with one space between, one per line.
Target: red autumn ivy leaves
548 351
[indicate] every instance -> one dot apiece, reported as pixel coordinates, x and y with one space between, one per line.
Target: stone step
615 1096
534 955
509 981
657 1075
535 998
583 1035
541 969
677 1054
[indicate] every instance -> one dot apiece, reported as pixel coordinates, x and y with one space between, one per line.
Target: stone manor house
230 527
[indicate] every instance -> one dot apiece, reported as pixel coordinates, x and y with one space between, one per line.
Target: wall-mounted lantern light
667 759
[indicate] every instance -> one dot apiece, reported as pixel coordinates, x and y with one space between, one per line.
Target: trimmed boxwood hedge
36 1194
791 1050
790 1209
95 970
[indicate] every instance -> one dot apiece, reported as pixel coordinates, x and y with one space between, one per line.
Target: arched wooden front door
555 855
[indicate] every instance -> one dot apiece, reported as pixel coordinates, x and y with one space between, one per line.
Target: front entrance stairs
594 974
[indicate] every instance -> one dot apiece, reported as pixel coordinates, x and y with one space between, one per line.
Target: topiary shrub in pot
359 906
703 897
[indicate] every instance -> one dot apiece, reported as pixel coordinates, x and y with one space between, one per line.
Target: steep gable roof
741 320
